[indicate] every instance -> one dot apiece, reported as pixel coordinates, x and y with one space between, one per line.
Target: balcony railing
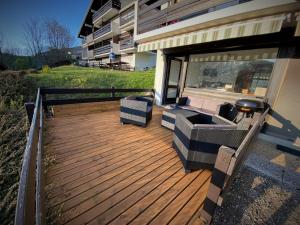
83 41
84 53
161 13
127 43
102 50
106 7
90 54
90 38
103 30
127 16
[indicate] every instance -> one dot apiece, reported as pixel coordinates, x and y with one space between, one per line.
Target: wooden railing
165 12
127 16
107 6
227 165
102 50
30 202
103 30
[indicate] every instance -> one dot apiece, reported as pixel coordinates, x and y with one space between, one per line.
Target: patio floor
106 173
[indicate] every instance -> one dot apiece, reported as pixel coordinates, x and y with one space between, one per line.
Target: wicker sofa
197 139
189 106
136 110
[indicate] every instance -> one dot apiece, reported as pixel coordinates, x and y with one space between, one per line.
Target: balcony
84 53
163 14
107 31
127 18
90 54
127 45
83 41
90 39
104 51
107 11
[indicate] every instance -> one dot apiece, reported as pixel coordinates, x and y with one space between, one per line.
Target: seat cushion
169 116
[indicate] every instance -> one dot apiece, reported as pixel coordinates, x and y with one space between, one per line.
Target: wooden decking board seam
167 153
177 164
88 161
107 148
61 140
169 202
76 160
153 189
174 200
103 161
129 185
106 145
161 194
191 197
133 132
108 180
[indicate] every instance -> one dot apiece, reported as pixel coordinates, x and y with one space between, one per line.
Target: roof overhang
87 23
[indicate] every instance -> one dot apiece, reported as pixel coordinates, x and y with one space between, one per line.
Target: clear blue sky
13 14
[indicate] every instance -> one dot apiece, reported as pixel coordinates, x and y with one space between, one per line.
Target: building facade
227 49
107 34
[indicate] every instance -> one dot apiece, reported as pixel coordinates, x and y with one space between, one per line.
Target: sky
14 13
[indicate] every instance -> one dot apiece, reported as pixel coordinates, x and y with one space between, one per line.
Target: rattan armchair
136 110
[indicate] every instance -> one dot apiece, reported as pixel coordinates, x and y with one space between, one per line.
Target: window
246 72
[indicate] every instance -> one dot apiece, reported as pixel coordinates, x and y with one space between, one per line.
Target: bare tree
57 35
34 36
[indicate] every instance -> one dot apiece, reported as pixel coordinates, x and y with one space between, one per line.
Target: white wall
128 58
159 76
143 60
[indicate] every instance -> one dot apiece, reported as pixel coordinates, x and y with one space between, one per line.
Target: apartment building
107 34
227 49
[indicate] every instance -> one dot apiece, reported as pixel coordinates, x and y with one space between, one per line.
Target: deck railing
30 202
227 165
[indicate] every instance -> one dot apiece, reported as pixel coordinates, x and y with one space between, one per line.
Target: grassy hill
73 76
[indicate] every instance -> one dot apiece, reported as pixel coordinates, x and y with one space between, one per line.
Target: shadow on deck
106 173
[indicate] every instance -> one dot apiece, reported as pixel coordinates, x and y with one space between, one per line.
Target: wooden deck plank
109 173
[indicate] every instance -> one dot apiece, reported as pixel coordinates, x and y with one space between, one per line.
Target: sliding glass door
172 81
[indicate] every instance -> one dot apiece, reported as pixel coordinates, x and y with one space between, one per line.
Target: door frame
166 85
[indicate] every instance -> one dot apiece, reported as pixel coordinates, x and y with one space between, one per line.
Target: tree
57 35
34 36
59 40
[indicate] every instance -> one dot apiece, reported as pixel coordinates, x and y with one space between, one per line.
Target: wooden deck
106 173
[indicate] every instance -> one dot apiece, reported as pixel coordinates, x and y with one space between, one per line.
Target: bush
45 69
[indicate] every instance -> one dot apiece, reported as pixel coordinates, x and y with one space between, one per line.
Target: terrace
105 172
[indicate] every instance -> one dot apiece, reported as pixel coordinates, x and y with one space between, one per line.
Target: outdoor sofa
136 110
197 139
188 106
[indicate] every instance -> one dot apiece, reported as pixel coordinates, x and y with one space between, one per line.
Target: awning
263 25
245 55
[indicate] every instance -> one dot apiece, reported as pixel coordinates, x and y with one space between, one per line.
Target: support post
29 106
113 93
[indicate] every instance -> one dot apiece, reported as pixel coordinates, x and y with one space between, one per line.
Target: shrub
46 69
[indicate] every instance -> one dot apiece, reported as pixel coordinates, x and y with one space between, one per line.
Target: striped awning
245 55
264 25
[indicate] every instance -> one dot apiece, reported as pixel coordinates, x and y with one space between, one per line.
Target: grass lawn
85 77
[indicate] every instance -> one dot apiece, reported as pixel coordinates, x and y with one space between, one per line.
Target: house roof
88 19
